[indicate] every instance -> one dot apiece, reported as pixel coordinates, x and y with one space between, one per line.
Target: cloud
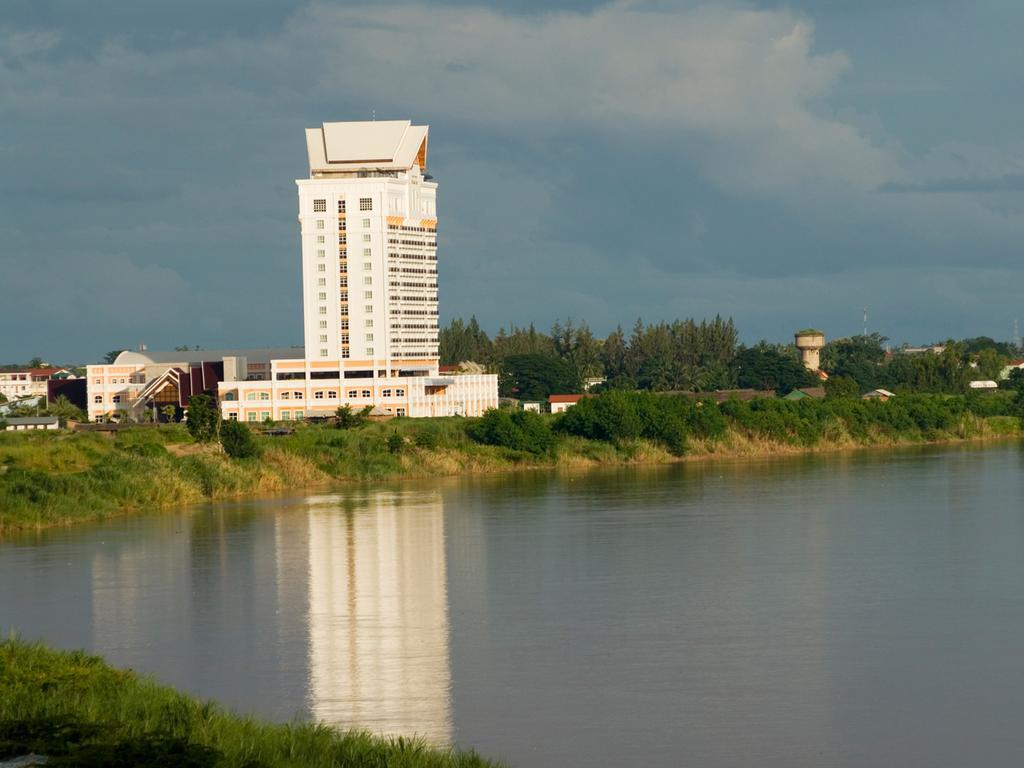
1008 182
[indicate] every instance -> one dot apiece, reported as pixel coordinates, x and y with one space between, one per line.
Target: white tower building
368 223
369 247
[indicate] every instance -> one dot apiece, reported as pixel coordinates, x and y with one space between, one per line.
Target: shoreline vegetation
79 711
57 478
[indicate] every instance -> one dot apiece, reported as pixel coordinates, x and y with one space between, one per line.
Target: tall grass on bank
51 478
79 711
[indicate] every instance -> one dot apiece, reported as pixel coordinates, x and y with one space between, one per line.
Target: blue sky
782 163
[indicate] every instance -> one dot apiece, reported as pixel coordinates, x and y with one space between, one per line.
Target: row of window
330 394
320 205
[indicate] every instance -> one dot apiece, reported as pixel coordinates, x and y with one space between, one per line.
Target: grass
75 708
57 478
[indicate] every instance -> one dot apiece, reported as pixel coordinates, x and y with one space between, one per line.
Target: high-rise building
368 224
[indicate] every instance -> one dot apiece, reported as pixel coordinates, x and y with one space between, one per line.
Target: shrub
203 419
346 418
518 430
395 442
237 440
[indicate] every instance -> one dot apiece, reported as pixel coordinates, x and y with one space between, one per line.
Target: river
847 609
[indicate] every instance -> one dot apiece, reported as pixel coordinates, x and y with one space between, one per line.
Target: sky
785 164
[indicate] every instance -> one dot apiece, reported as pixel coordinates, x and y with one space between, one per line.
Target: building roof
366 145
565 398
817 393
265 354
879 393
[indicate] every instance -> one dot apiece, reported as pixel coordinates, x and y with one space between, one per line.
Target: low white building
29 382
22 423
983 385
561 403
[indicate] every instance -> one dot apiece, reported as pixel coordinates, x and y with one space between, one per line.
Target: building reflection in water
378 613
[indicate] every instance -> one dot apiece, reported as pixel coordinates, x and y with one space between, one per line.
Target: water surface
843 610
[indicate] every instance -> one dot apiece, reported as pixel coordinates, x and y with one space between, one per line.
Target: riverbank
58 478
79 711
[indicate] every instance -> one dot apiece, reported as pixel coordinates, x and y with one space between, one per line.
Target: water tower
810 341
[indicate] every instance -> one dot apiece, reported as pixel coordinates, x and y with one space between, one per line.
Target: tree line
687 355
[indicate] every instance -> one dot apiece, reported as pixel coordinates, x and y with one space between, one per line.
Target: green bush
518 430
203 418
395 442
237 441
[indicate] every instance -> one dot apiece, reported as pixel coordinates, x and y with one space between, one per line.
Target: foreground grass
81 712
54 478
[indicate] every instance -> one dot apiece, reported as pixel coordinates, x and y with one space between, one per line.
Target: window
345 354
285 395
321 253
286 415
399 393
322 281
368 280
332 395
323 353
369 322
319 206
298 415
264 395
323 310
385 393
366 393
319 223
353 393
250 396
365 203
229 396
98 399
323 338
318 395
341 206
344 323
323 296
367 294
320 238
97 381
232 417
366 237
343 296
367 266
369 337
366 223
368 308
297 396
399 411
369 351
323 323
321 267
367 252
264 415
250 416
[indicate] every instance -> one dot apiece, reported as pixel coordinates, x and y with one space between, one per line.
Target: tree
170 412
991 363
237 441
111 356
66 411
859 358
535 376
838 387
764 367
37 362
203 418
518 430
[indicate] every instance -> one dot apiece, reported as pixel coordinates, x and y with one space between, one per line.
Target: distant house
30 382
561 403
21 423
983 385
1012 366
878 394
815 393
530 405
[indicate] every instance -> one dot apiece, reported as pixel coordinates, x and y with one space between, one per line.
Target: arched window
353 393
97 398
297 396
399 393
318 395
250 396
117 398
264 395
229 395
332 395
385 393
367 393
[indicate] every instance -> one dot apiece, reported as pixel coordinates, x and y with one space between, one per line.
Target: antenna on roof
1016 333
865 321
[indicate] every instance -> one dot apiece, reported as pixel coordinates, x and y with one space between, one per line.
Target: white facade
27 383
368 230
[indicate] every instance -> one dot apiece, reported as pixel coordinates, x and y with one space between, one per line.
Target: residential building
878 394
368 230
29 382
560 403
1010 368
983 384
816 393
